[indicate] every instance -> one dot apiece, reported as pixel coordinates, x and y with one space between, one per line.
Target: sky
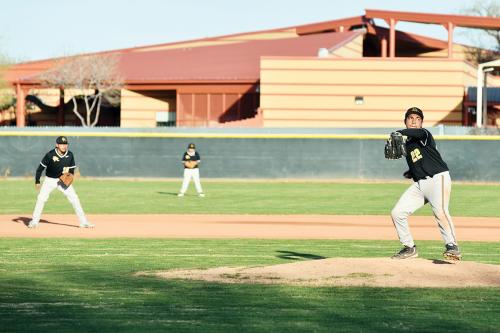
34 29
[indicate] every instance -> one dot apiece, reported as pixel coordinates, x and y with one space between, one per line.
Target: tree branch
75 111
98 111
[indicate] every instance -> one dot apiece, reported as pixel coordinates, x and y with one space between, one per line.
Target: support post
383 47
450 28
20 106
60 108
479 97
392 38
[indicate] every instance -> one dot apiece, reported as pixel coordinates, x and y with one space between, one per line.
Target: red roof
232 62
240 61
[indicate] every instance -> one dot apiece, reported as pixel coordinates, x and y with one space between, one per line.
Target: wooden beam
20 106
60 108
450 27
457 20
330 25
392 37
383 47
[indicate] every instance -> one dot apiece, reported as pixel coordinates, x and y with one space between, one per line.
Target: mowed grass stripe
240 197
88 285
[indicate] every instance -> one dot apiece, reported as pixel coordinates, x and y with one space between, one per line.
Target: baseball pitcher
432 184
59 165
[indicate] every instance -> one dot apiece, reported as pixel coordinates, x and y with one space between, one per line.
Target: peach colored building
342 73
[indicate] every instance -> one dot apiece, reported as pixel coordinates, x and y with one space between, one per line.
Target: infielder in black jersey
191 161
432 184
56 162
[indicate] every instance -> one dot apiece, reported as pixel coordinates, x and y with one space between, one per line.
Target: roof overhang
464 21
494 63
334 25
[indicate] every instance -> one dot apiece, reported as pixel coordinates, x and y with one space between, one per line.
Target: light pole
482 106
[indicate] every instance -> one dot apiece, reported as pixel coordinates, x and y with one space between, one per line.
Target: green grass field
140 197
88 285
76 285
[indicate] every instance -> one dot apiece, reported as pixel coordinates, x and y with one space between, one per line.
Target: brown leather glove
407 174
67 179
191 164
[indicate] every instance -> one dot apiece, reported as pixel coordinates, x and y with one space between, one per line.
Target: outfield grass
140 197
76 285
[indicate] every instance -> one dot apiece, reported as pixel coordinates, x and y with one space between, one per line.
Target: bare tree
7 98
96 73
487 40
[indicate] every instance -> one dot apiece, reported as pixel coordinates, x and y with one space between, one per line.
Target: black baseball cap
62 140
414 110
191 146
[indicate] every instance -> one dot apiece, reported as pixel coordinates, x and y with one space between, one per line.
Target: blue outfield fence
258 153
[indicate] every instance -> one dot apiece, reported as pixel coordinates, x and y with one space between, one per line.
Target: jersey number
415 155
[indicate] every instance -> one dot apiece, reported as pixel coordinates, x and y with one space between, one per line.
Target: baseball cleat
180 194
452 252
87 225
406 253
32 225
201 195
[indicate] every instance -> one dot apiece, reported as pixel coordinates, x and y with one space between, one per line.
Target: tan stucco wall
353 49
138 109
313 92
493 81
459 53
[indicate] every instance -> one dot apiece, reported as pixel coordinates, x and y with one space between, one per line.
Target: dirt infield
245 226
370 272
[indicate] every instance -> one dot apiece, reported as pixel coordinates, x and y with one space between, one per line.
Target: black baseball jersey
55 164
187 157
422 156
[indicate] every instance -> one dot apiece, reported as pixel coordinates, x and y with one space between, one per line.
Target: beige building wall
139 108
368 92
493 81
459 53
353 49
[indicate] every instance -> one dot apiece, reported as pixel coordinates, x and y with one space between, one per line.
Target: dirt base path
373 272
245 226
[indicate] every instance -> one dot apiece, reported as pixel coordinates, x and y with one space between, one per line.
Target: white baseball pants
436 191
195 175
49 185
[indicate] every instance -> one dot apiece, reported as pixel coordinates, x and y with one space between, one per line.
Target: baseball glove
395 147
67 179
407 174
190 164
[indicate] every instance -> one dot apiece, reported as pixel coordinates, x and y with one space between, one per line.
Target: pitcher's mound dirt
372 272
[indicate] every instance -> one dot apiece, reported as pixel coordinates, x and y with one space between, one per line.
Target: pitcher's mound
372 272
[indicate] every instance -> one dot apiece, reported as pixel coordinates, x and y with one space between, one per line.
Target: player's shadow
297 255
440 262
168 193
26 221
